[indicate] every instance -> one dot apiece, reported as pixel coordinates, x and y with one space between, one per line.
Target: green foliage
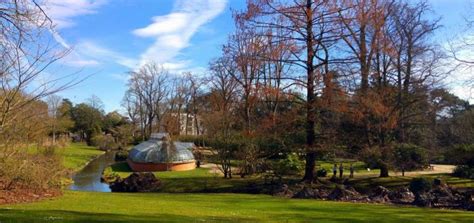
461 155
121 155
292 164
104 142
409 157
87 120
464 171
322 172
420 185
111 121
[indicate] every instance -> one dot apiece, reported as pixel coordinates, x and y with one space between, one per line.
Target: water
88 179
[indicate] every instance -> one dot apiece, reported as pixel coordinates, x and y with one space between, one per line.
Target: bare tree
27 50
54 102
219 119
309 26
149 86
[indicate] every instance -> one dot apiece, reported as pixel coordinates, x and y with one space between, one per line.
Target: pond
88 179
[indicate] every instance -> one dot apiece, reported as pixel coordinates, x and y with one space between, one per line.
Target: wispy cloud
63 12
89 53
173 32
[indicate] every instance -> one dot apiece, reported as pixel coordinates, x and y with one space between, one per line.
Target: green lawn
76 155
365 183
191 181
142 207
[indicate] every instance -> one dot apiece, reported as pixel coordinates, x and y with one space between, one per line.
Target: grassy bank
76 155
192 181
120 207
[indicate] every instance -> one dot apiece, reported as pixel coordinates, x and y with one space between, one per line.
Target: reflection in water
88 179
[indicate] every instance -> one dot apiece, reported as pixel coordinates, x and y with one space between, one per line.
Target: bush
121 155
461 155
420 185
321 172
292 164
464 171
104 142
409 157
34 171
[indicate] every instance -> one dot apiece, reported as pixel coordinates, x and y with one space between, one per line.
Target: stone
283 191
380 195
423 200
402 196
136 182
305 193
468 202
345 194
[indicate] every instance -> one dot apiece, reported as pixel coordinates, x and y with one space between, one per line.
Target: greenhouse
159 153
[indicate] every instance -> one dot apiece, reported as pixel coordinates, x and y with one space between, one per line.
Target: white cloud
99 53
62 12
173 32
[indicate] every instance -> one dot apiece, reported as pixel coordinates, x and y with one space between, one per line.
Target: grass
76 155
366 183
162 207
191 181
182 203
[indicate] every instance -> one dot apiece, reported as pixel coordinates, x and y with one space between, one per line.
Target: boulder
380 195
468 201
443 197
424 200
136 182
305 193
283 191
346 194
402 196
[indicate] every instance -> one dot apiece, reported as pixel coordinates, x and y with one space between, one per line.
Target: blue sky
111 37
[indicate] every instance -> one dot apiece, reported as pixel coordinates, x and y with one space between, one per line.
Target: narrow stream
88 179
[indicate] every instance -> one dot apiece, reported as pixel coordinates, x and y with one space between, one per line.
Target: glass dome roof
161 151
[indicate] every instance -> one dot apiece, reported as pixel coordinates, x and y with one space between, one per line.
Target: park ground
174 205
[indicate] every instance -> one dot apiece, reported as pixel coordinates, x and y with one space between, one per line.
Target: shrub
409 157
464 171
104 142
109 175
121 155
292 164
461 155
420 185
321 172
34 171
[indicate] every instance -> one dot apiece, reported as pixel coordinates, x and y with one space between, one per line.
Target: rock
345 194
305 193
136 182
468 202
423 200
380 195
283 191
443 197
402 196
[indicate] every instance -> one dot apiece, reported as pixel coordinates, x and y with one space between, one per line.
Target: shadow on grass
39 216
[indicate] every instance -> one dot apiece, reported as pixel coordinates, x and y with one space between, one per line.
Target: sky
109 38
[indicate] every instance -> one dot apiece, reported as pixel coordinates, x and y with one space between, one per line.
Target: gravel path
437 169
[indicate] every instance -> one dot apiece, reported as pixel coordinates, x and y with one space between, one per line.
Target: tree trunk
310 98
383 170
